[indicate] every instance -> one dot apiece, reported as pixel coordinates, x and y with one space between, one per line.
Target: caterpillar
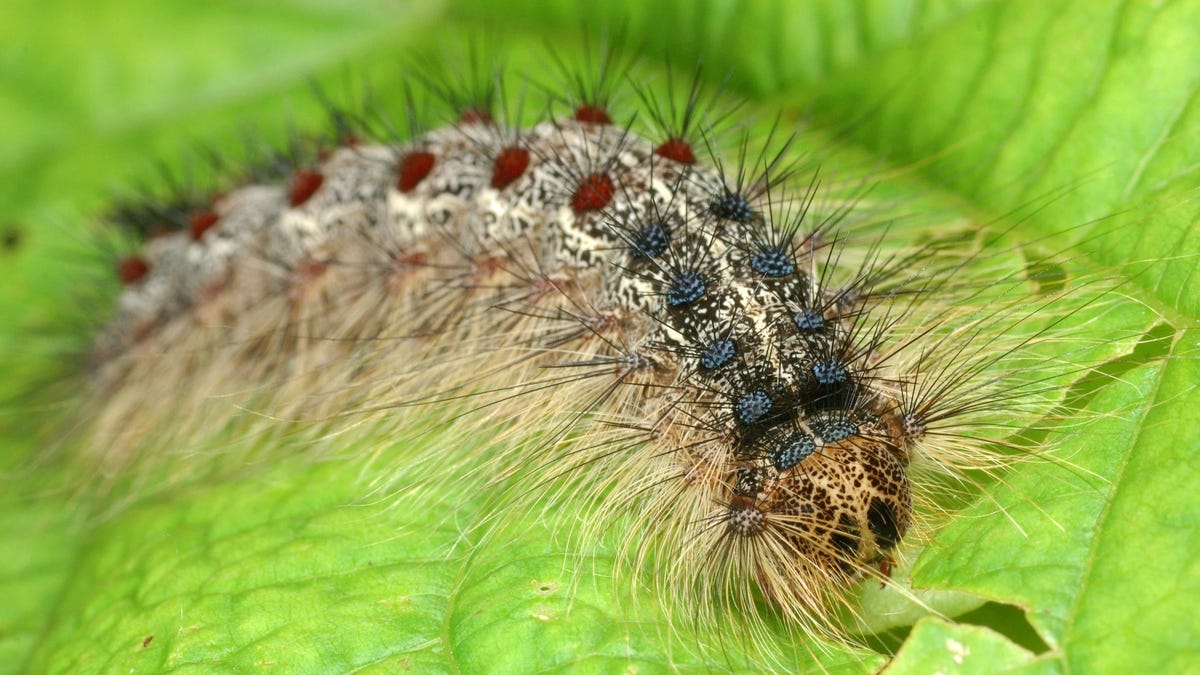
715 352
759 415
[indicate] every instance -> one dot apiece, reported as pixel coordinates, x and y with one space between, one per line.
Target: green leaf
1080 117
937 646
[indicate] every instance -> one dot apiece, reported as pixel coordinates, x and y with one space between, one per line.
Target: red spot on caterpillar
309 270
592 114
132 270
304 183
413 259
678 150
304 280
593 193
509 165
201 222
401 266
413 169
207 294
475 116
487 265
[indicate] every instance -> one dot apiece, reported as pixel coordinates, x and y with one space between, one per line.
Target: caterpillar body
741 370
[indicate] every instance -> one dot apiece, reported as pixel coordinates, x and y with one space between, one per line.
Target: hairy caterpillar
749 406
310 412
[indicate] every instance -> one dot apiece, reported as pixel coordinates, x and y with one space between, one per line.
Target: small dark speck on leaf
10 238
147 641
